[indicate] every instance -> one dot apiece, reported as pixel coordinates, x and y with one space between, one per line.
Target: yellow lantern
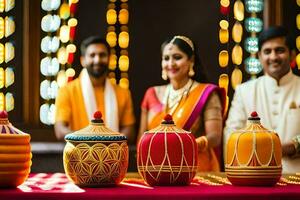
223 58
112 62
298 43
64 33
61 78
9 102
298 59
62 55
9 77
224 24
70 72
1 53
237 54
2 79
9 52
237 32
123 63
9 4
71 48
111 38
64 11
113 81
224 81
238 10
2 29
236 77
123 39
124 83
2 6
111 16
72 22
298 21
225 3
298 2
223 35
2 101
10 26
123 16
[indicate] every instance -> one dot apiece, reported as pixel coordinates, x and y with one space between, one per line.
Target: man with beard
275 96
77 101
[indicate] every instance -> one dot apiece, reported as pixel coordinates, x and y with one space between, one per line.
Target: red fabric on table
57 186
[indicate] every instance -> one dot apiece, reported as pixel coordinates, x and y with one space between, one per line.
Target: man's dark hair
274 32
93 40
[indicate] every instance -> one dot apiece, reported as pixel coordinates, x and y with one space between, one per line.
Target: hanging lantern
1 53
64 11
223 58
61 78
237 54
123 39
2 101
2 6
64 33
238 10
237 32
9 26
236 77
224 24
111 38
2 78
9 77
223 82
112 62
111 16
9 4
124 63
62 55
123 16
124 83
251 44
223 35
9 52
254 6
2 28
9 102
252 65
253 24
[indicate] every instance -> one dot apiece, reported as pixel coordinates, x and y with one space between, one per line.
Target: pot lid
6 128
96 131
167 126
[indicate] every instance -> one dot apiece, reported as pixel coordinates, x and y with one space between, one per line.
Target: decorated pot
96 156
253 155
15 154
167 155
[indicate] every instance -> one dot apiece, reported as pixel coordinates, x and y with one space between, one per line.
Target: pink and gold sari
188 116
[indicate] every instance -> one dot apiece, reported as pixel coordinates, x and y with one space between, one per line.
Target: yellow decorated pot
15 154
253 155
96 156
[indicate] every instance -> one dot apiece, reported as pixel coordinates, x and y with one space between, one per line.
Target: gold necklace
171 108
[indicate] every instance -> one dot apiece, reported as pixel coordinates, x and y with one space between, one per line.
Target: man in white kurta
274 96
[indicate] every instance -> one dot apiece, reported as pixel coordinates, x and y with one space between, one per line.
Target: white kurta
272 102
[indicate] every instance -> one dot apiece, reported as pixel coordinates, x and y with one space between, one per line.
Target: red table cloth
204 186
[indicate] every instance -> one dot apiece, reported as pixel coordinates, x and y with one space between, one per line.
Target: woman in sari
195 106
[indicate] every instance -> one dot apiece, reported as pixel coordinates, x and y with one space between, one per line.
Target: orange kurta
70 106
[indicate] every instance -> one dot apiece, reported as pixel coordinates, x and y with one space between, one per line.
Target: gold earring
191 71
164 74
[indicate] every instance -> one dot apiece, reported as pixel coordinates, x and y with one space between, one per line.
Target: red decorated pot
253 155
167 155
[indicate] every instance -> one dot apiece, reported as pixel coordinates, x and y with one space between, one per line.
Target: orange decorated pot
96 156
15 154
167 155
253 155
